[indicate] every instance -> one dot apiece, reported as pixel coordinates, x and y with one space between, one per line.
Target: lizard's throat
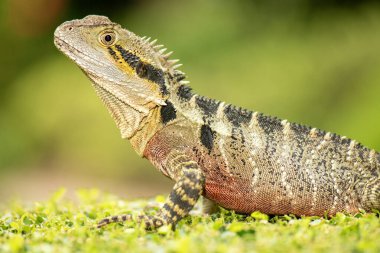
137 126
128 117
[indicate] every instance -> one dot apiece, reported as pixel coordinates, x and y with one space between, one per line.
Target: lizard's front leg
181 200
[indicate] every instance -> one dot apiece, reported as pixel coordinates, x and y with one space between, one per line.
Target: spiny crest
207 105
160 50
237 115
184 92
169 66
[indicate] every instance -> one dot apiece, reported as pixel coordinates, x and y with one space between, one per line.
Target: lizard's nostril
70 28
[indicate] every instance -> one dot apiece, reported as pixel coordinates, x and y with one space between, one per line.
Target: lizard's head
129 73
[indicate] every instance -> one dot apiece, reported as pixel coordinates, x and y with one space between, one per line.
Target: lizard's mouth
62 45
74 53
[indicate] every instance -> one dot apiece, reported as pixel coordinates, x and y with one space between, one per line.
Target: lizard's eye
107 38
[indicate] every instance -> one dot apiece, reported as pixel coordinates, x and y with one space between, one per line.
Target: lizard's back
256 162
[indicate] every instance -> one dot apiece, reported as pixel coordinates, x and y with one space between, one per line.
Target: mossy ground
62 225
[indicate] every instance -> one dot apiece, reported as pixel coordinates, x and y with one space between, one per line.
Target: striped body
240 160
262 163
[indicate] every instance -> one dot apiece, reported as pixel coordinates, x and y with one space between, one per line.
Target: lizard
235 158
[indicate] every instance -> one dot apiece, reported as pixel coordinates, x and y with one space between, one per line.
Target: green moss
61 225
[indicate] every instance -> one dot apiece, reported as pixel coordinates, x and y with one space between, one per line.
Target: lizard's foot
180 201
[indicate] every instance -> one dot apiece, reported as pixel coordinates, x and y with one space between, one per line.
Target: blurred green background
315 62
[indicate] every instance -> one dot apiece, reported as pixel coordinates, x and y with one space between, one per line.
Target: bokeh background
315 62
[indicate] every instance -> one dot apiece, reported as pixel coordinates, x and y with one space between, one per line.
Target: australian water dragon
238 159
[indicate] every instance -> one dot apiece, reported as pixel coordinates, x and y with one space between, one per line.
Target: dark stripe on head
237 115
147 71
144 70
184 92
268 124
168 112
113 53
208 106
207 137
128 57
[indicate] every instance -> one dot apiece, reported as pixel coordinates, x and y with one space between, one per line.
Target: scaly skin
237 159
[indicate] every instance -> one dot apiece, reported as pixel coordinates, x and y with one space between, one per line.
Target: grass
62 225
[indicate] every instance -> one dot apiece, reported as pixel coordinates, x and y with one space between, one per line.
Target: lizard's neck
161 115
148 127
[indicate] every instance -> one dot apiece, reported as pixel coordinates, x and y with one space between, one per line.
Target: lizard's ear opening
107 38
